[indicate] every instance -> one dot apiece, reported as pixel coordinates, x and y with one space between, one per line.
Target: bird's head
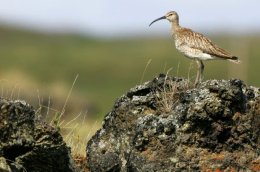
171 16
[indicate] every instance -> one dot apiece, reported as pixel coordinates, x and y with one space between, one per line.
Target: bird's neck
175 26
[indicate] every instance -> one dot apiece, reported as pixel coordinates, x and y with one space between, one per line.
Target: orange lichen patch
255 166
149 154
213 158
232 169
218 170
211 162
217 157
212 170
214 162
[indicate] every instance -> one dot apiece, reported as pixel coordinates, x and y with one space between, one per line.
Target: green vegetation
108 68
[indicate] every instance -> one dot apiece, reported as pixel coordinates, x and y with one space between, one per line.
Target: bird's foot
196 84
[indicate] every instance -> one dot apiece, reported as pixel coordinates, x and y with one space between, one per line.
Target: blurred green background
44 45
44 65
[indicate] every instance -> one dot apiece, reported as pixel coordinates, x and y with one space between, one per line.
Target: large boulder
167 125
28 144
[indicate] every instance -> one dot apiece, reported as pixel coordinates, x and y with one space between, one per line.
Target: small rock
28 144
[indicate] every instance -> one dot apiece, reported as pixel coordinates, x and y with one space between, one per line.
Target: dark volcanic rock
164 125
27 144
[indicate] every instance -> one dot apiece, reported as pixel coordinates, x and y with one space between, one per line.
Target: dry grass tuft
76 129
168 95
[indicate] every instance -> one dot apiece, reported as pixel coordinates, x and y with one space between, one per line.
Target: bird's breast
192 53
179 45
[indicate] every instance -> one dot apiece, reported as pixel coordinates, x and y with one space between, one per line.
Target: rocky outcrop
28 144
166 125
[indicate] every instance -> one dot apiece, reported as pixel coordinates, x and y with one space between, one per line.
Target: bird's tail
234 59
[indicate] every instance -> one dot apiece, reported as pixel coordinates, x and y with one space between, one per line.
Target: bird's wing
200 42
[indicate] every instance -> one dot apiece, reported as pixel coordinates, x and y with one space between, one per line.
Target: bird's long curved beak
163 17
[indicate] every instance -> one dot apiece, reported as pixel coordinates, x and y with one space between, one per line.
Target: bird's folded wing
200 42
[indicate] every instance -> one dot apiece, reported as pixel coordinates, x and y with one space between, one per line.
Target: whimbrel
195 45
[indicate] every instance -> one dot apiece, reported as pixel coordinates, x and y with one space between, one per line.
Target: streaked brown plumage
195 45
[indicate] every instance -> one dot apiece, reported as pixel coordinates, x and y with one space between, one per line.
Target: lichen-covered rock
4 167
165 125
28 144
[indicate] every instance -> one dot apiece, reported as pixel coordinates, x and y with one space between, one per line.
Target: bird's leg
199 72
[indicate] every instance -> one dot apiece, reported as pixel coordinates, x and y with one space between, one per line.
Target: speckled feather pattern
198 45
